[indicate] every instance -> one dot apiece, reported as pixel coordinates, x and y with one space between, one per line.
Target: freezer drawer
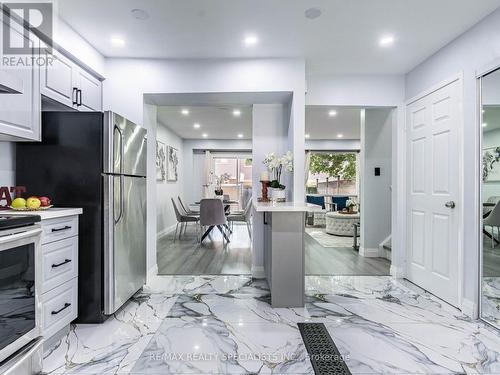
124 146
124 240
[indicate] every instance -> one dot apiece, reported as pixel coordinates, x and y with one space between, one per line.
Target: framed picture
491 164
172 163
160 161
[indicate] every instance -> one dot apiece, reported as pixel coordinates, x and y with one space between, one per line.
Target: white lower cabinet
59 274
59 307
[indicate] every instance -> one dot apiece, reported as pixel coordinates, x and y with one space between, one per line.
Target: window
237 171
334 173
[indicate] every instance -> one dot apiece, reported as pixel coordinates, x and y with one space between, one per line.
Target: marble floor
225 325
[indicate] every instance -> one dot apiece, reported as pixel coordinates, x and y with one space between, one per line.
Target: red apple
45 201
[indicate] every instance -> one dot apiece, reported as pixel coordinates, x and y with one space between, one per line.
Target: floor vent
323 353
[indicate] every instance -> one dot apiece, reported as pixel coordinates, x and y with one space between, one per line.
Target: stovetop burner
15 221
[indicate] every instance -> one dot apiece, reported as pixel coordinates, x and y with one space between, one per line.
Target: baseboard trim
258 272
369 252
397 272
152 272
470 308
166 231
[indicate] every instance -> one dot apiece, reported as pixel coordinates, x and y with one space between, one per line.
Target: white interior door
433 186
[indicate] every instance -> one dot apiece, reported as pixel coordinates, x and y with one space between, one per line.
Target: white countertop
285 207
51 213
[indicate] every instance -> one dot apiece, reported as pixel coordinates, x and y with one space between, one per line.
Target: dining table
487 208
227 205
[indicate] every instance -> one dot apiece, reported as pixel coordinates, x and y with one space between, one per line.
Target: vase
278 195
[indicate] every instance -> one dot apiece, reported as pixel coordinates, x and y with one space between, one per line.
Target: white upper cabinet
20 99
66 82
90 94
58 80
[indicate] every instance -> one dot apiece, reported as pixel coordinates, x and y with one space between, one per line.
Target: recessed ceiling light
117 41
139 14
332 113
308 135
386 41
237 113
196 125
240 135
185 111
312 13
340 135
485 124
204 135
251 40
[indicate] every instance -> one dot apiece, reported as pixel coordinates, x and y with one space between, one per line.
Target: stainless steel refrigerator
96 161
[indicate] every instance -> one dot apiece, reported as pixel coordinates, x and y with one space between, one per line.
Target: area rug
329 240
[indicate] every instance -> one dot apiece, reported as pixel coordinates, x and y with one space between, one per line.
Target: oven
20 288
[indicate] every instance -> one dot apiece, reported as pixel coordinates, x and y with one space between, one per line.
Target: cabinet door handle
79 97
66 227
74 96
66 305
66 261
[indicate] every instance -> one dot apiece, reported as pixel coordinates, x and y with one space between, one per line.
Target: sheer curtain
207 175
307 166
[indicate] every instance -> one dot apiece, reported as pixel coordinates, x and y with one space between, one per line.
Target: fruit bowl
31 209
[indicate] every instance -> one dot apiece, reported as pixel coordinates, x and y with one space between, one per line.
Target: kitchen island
284 249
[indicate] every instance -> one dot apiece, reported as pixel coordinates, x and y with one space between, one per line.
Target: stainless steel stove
20 290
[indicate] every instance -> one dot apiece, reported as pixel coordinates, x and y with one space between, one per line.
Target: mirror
490 198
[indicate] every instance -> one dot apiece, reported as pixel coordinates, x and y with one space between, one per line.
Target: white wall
127 80
376 141
355 90
165 190
333 145
73 43
7 164
471 51
194 162
270 134
491 139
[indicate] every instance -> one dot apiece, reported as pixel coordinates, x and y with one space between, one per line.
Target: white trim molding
152 272
397 272
258 272
470 308
370 252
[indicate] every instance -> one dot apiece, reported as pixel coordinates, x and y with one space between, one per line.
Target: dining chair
183 220
212 215
243 217
493 221
186 208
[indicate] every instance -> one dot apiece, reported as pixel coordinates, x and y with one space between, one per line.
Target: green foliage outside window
334 165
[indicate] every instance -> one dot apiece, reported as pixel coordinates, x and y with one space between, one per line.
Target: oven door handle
20 236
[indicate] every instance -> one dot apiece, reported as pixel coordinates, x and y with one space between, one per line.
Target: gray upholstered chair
212 215
183 220
493 221
186 209
243 217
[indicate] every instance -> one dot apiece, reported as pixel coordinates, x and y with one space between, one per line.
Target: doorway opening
204 176
348 174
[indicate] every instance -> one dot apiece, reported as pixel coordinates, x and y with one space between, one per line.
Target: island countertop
285 207
51 213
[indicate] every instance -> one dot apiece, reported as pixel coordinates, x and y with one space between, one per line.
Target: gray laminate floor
187 257
341 261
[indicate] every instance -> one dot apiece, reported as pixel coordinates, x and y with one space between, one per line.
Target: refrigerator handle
121 200
117 128
121 172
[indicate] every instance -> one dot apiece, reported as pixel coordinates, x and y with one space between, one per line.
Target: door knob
450 204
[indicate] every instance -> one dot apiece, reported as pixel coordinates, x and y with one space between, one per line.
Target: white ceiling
218 122
344 39
320 126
